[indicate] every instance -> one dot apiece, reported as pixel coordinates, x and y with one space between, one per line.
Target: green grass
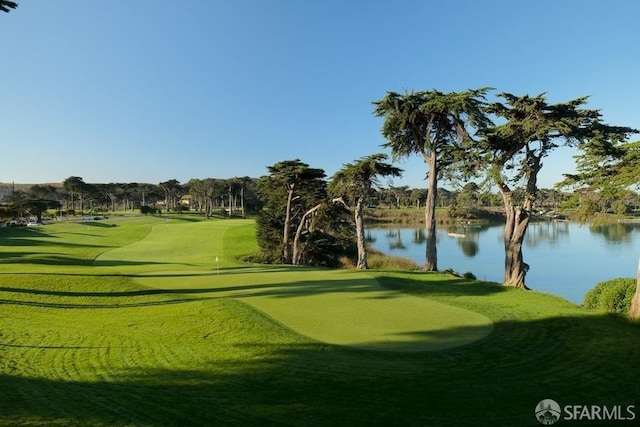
132 325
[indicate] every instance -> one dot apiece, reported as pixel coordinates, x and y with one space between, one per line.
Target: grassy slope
333 306
95 347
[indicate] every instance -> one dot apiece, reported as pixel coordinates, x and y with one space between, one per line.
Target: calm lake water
565 258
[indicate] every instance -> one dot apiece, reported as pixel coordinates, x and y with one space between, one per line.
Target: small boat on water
457 235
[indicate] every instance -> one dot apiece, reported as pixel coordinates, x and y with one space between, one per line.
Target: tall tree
170 188
245 183
43 192
437 127
353 182
111 191
75 186
607 163
634 309
610 165
531 130
295 185
144 190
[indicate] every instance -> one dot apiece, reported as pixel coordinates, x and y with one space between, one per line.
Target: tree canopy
7 5
438 127
531 130
353 182
291 188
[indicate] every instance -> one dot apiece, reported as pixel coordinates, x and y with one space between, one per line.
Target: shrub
380 261
612 296
146 210
346 263
257 258
469 276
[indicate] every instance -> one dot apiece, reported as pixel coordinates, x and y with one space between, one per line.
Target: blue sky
151 90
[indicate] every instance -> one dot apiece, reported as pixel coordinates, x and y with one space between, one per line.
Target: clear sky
151 90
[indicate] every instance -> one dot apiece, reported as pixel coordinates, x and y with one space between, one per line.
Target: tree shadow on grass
98 224
413 282
31 241
100 305
8 233
357 287
186 218
498 381
282 289
394 286
61 260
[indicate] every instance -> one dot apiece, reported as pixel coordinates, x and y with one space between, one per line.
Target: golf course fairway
340 307
155 321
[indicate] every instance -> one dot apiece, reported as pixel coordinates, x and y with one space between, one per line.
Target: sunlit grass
104 325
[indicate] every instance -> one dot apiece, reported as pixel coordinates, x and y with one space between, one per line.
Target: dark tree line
296 224
229 197
309 220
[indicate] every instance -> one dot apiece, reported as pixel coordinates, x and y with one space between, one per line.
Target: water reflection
369 237
419 236
471 239
616 233
565 258
467 237
394 238
469 247
546 232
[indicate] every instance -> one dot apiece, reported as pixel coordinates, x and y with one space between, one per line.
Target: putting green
340 307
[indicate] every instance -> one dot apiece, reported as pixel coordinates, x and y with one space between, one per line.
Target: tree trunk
515 269
634 311
296 240
431 263
362 248
286 250
242 202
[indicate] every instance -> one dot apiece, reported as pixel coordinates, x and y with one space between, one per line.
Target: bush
469 276
146 210
611 296
378 261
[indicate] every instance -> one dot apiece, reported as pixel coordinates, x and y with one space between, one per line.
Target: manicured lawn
133 324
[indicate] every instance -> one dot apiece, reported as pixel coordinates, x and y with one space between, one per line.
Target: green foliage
533 129
146 210
269 236
425 121
290 191
324 249
86 343
7 5
469 276
438 127
379 261
355 179
612 296
330 238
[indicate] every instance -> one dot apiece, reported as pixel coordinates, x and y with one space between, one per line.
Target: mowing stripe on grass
333 306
